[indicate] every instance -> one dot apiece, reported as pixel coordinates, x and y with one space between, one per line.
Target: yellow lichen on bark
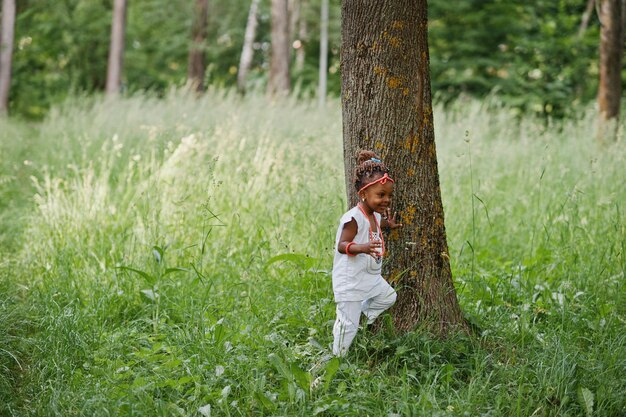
431 150
395 41
407 143
393 82
409 214
378 70
397 24
416 141
411 142
427 116
360 47
410 172
376 47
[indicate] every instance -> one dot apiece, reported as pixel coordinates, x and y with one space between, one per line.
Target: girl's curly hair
369 168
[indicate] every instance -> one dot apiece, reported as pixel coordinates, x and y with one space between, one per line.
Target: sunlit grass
140 276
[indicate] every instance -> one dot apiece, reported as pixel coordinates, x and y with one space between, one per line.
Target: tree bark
611 52
302 37
7 34
247 52
197 55
293 10
116 50
279 79
323 71
387 108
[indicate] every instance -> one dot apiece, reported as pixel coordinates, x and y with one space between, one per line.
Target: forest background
540 56
168 253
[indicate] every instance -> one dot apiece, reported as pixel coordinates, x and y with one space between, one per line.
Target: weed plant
171 257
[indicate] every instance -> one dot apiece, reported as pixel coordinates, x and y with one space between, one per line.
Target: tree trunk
323 73
116 51
611 53
293 10
247 52
302 37
279 82
197 55
6 53
387 108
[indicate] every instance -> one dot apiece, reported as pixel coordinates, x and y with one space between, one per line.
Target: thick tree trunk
197 56
387 108
6 53
323 71
116 50
279 81
611 53
247 52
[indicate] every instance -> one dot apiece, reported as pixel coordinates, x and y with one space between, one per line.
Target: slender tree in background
247 52
6 53
279 79
584 21
323 73
612 14
116 50
294 8
302 37
386 103
197 55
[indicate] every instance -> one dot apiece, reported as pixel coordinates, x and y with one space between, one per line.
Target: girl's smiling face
378 196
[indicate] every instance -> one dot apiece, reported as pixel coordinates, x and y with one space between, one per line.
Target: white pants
349 314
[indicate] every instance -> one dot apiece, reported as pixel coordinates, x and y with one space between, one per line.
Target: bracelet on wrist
348 249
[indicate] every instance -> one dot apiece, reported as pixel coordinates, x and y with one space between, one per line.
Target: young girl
357 281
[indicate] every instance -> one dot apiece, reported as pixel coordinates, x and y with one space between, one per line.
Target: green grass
141 269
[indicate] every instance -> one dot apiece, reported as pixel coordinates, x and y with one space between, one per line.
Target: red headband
383 180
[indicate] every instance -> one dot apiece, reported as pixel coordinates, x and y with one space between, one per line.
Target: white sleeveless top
356 278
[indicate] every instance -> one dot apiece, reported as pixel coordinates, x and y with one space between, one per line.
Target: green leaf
280 366
140 382
265 402
200 276
219 332
184 380
175 269
331 368
303 378
303 261
151 279
585 398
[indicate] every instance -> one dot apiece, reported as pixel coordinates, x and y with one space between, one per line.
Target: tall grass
171 257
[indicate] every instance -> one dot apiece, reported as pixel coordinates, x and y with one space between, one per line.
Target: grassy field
143 268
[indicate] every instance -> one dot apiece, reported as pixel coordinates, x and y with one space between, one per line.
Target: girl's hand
389 220
374 248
